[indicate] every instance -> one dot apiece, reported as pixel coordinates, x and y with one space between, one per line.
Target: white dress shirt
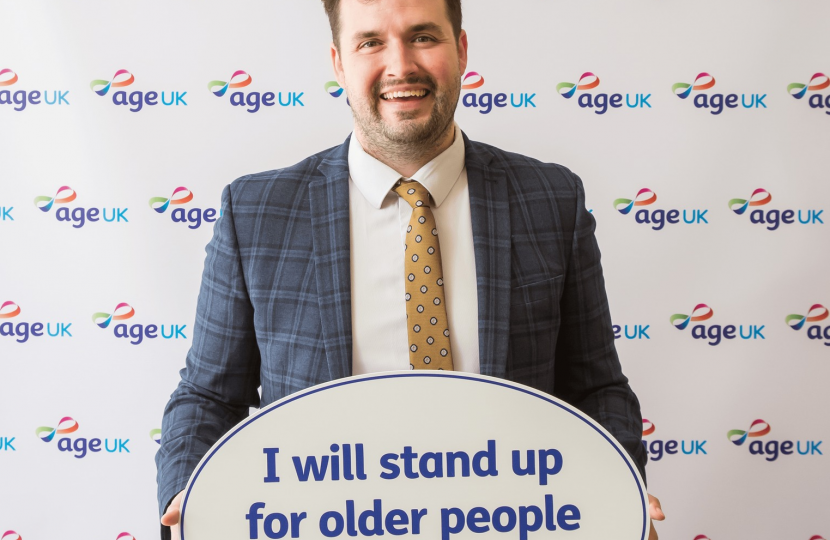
378 218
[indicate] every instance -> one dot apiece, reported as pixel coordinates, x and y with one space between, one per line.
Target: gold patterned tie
426 313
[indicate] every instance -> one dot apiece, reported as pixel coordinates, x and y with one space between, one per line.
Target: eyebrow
421 27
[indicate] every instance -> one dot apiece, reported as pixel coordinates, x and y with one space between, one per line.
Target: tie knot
413 193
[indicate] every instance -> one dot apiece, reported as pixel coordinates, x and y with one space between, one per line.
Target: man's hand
654 510
171 517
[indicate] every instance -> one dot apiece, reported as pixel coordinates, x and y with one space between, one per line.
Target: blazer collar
490 215
329 198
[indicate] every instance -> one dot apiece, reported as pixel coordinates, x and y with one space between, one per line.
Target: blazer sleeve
219 382
587 370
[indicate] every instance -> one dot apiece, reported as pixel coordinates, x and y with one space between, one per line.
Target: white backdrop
113 159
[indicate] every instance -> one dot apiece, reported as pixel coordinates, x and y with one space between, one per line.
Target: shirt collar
375 179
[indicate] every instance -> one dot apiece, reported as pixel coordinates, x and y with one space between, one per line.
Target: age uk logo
773 218
21 330
715 333
80 446
137 99
715 101
21 98
771 448
658 448
659 217
137 332
816 313
253 100
819 81
485 101
78 216
600 101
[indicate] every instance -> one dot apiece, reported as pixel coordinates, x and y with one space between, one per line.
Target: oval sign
433 455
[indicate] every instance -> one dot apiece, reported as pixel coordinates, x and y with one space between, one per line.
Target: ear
462 52
337 65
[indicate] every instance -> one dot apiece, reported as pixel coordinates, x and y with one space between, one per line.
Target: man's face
391 48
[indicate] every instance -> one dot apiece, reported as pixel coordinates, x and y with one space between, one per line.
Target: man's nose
400 60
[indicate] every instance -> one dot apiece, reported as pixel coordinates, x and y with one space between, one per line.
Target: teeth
395 95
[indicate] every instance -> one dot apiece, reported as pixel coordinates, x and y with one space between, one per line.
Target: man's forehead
373 16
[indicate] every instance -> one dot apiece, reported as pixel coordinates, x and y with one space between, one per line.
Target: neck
406 160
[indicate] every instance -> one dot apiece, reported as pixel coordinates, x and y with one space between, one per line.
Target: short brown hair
332 8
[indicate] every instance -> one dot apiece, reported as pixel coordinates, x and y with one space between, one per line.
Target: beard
408 137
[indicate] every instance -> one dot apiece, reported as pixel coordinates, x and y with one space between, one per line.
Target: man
334 266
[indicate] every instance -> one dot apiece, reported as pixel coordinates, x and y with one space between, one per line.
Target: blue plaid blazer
274 307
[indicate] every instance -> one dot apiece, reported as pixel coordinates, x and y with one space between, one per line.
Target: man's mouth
406 95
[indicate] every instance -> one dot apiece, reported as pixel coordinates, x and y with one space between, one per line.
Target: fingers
655 510
171 516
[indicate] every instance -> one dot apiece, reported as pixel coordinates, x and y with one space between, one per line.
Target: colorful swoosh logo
816 313
475 83
181 195
587 81
125 536
67 424
701 537
759 197
797 90
241 77
11 535
644 197
9 79
333 88
64 195
686 88
9 309
118 81
114 316
759 428
701 312
155 434
816 537
648 427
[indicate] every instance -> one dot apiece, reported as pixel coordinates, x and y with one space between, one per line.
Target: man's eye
423 39
369 44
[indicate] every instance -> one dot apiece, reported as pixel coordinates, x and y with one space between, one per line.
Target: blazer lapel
490 214
330 233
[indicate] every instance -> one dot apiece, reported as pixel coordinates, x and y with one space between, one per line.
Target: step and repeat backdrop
701 131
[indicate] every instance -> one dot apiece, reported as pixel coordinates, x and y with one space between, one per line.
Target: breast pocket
534 324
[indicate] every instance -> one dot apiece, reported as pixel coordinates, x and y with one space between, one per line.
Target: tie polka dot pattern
426 314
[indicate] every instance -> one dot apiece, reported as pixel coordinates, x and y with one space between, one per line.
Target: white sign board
440 456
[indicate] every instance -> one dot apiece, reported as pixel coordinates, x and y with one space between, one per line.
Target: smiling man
407 247
402 72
